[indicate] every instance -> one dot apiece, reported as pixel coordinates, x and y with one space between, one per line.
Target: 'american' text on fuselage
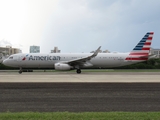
45 58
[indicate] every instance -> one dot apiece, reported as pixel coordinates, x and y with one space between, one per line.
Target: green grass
107 70
136 70
81 116
120 70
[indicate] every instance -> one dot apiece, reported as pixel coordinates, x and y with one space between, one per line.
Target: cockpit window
11 57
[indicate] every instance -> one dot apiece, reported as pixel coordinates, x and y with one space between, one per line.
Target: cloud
80 26
22 21
75 25
4 43
115 25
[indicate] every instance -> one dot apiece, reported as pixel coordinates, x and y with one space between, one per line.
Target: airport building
106 51
55 50
100 51
156 52
8 50
34 49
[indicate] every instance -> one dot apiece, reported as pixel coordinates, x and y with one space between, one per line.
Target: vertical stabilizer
142 49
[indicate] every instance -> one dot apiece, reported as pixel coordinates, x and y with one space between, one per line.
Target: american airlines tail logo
24 58
142 49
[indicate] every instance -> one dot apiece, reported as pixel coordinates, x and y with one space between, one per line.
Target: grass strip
81 116
120 70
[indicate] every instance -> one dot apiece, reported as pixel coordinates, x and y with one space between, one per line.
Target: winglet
96 52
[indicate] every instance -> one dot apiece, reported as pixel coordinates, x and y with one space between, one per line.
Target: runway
79 97
87 77
86 92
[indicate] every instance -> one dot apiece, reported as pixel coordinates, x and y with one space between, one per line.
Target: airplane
70 61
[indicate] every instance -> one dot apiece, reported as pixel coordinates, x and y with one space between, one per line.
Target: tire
20 72
78 71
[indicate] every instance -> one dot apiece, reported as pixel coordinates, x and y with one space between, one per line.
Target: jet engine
62 66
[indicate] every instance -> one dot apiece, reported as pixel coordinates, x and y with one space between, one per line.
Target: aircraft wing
83 59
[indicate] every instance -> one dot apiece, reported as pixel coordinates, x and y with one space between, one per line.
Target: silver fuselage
37 60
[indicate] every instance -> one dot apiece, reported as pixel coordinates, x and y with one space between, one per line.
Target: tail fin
142 49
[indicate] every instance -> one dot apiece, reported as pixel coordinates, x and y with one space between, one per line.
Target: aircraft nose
4 62
1 61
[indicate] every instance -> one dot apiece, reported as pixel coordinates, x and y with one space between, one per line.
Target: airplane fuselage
36 60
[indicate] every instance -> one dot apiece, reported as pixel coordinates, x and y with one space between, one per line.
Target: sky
78 25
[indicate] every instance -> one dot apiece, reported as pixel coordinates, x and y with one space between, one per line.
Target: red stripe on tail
149 38
129 58
147 43
145 48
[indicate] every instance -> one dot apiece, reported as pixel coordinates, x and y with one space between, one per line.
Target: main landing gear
20 71
78 71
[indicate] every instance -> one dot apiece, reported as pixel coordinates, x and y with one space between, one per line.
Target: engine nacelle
62 66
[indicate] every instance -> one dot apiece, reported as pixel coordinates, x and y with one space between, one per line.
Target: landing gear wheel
78 71
20 71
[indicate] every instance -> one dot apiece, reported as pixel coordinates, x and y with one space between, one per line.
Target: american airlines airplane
70 61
